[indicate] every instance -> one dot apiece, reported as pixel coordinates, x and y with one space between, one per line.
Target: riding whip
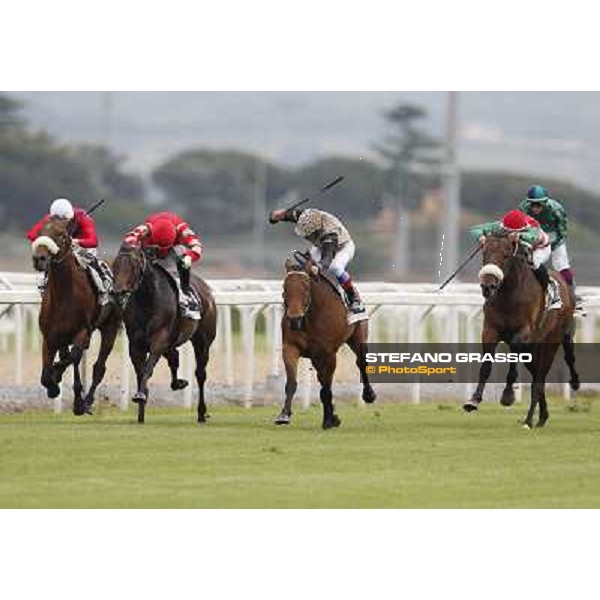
89 211
94 206
473 252
326 187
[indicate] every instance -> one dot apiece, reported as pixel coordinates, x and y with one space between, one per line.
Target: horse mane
521 255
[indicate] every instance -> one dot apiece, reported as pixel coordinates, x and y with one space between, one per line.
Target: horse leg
548 353
358 344
158 347
79 406
47 378
138 354
543 406
569 353
201 353
508 394
108 334
325 367
172 357
537 389
489 339
81 343
291 355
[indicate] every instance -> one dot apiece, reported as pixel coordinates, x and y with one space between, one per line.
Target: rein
142 265
309 303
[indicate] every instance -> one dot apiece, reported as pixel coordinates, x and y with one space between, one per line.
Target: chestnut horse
515 313
315 325
154 324
69 314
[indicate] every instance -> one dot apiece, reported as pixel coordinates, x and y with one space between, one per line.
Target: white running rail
400 312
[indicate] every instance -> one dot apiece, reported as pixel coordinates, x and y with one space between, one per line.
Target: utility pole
401 242
260 209
450 226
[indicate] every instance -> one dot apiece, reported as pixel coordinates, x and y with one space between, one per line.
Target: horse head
52 245
128 272
498 249
296 291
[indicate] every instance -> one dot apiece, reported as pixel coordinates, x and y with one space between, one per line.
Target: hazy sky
545 133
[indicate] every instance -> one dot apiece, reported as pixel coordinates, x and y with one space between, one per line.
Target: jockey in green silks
552 217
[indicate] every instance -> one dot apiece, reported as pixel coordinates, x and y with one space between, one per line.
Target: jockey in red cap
168 234
529 233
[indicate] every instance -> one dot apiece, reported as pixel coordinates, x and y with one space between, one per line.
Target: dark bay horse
69 314
154 324
515 313
315 325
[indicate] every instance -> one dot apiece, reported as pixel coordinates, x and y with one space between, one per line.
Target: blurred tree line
35 168
216 190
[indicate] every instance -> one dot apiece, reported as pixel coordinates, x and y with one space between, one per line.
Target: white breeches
560 259
540 256
341 259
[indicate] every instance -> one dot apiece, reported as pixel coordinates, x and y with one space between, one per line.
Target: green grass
386 455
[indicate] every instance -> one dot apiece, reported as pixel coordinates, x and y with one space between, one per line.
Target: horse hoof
470 406
335 421
179 384
283 419
541 422
201 421
79 409
575 383
508 398
53 392
139 397
526 426
369 397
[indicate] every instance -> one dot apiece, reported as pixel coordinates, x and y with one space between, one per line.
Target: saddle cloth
553 299
189 304
101 277
331 279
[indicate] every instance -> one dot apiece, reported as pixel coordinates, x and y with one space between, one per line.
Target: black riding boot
191 304
356 305
542 276
184 277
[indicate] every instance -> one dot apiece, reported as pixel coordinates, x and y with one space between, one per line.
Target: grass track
386 455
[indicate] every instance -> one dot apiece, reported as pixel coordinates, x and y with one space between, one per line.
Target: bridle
58 256
141 261
308 304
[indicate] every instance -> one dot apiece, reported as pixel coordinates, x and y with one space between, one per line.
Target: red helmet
515 220
164 233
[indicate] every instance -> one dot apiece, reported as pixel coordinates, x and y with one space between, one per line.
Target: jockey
169 235
85 243
529 233
552 217
332 246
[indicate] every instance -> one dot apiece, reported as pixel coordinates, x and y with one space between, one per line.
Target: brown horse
515 313
154 324
69 314
315 325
